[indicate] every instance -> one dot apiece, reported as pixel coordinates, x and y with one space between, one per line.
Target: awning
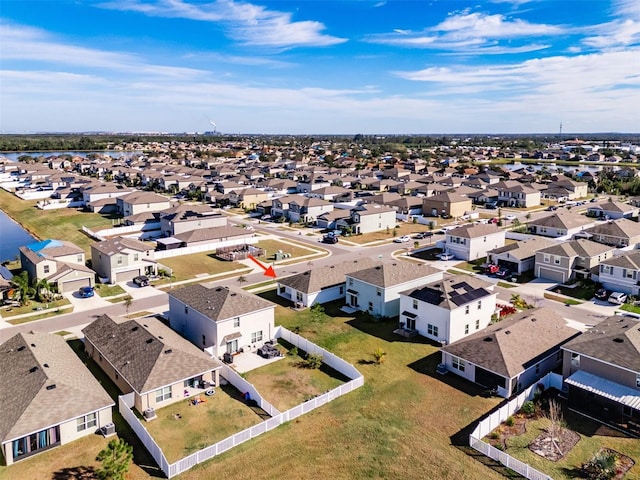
409 314
231 336
605 388
353 292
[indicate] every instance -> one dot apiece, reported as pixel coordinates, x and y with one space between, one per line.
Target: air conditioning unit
108 430
149 413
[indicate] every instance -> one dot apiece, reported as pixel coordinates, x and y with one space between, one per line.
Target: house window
79 259
135 257
351 282
46 269
186 310
466 329
547 258
479 304
575 360
477 324
628 273
236 322
298 298
415 304
556 260
119 259
458 364
370 306
432 330
637 381
204 339
256 336
163 394
341 290
466 310
282 289
538 369
88 421
379 292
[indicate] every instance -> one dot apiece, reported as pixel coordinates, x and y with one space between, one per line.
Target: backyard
189 267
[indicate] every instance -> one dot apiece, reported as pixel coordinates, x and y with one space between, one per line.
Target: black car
330 239
602 294
422 235
503 273
141 281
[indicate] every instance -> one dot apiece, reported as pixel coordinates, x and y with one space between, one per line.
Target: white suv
617 298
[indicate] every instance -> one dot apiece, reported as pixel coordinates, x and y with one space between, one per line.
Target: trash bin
227 357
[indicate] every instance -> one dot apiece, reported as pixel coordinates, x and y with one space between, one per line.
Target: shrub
494 435
313 360
528 408
509 422
293 352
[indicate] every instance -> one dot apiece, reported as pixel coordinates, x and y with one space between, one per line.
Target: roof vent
488 339
534 319
333 266
150 340
33 345
507 332
232 294
134 329
219 289
168 350
378 267
51 387
46 365
33 369
22 347
618 340
160 337
145 325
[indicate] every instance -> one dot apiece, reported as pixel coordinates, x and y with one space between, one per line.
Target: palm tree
21 282
43 290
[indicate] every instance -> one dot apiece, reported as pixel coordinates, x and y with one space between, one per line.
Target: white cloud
245 22
615 34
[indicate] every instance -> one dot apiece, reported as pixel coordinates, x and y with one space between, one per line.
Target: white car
447 256
510 217
402 239
617 298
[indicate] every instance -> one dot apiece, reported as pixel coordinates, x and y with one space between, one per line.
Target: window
637 381
256 336
341 290
466 329
236 322
351 282
135 257
458 364
46 269
432 330
186 310
466 310
477 324
547 258
163 394
379 292
556 260
204 339
88 421
370 306
79 258
479 304
628 273
298 298
575 360
538 369
282 289
415 304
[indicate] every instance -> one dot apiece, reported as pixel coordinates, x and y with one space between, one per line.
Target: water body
13 156
12 237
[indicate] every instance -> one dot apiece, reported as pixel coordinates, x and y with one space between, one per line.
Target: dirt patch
554 447
498 438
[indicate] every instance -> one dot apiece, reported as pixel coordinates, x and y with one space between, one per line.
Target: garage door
126 276
551 274
512 266
74 285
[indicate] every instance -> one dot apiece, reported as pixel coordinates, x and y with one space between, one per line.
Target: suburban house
560 224
612 210
470 242
515 194
213 236
566 189
621 273
570 260
147 358
377 289
185 218
448 309
512 354
368 218
329 220
308 209
60 263
49 398
601 369
141 201
119 259
450 204
518 257
619 233
320 285
221 319
248 198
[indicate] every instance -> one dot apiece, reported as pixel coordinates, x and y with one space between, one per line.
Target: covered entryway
126 276
554 275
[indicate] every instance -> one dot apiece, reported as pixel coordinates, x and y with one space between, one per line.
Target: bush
528 408
509 422
293 352
313 360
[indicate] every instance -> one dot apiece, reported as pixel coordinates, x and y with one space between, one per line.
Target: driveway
83 304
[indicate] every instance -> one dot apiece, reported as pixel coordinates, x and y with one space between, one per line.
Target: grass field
187 267
61 224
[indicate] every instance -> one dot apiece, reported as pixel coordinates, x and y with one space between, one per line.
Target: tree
379 355
242 279
128 301
21 282
115 458
317 312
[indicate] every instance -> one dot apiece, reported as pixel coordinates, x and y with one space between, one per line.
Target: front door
232 346
411 323
353 300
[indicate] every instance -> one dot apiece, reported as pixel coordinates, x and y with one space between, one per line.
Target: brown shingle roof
316 279
114 245
390 274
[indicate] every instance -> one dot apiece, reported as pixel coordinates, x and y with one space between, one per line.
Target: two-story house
60 263
620 233
565 261
221 319
449 204
367 218
308 209
120 259
448 309
560 224
566 189
140 202
621 273
515 194
470 242
185 218
601 371
377 289
248 198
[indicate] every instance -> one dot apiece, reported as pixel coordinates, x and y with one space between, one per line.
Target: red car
492 269
494 220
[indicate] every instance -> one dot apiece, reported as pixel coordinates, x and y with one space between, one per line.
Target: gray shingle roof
629 260
577 248
566 220
31 362
452 291
115 245
474 231
524 249
396 273
621 228
212 233
146 353
615 340
220 303
512 345
316 279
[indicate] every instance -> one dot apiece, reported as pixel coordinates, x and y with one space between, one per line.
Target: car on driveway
402 239
503 273
86 292
510 217
422 235
617 298
141 281
602 294
447 256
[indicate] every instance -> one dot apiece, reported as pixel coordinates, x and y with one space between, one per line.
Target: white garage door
74 285
551 274
126 276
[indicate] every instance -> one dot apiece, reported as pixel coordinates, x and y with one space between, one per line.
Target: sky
320 66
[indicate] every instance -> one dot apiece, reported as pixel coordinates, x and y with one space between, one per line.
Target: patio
247 361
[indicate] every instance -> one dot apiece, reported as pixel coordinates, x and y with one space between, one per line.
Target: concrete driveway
82 304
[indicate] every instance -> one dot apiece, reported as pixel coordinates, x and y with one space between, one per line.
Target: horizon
310 68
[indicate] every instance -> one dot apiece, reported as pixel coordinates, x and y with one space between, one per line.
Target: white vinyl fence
494 419
125 404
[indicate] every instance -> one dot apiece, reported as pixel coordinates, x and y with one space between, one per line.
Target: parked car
510 217
551 208
491 205
422 235
492 269
494 220
141 281
593 200
86 292
617 298
402 239
447 256
503 273
330 239
602 294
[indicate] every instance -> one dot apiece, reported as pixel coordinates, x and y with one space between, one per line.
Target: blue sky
314 67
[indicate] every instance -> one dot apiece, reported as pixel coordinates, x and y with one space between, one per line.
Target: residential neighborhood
205 278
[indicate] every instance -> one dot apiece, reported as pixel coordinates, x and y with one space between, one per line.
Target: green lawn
187 267
581 292
60 224
629 307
